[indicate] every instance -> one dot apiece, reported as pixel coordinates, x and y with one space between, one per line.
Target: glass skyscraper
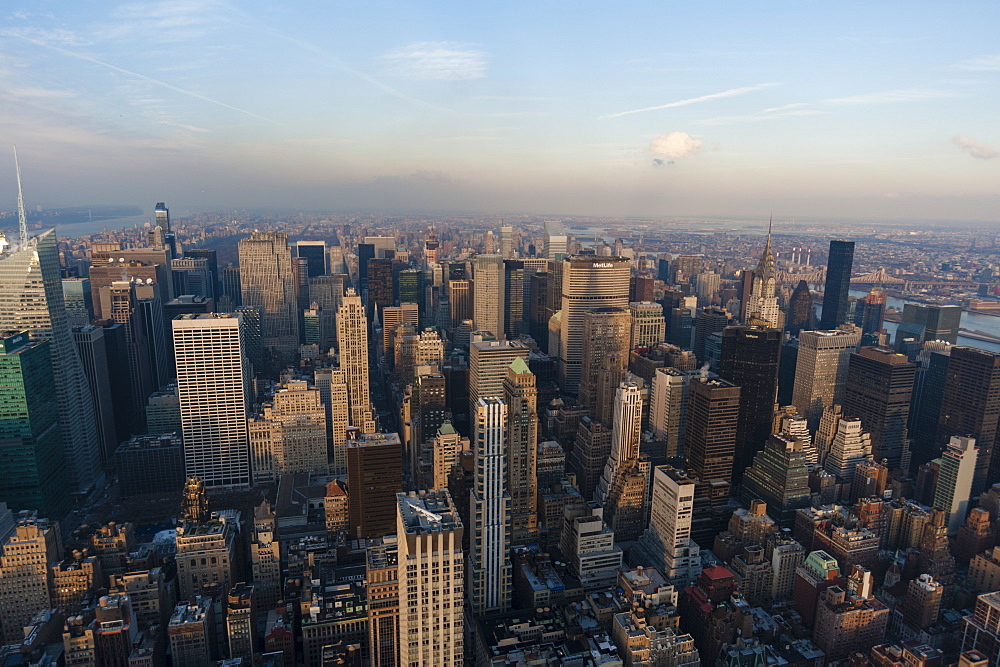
838 283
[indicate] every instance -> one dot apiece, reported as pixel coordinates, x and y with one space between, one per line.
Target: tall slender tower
878 390
626 429
213 386
352 337
521 396
763 305
606 338
622 490
31 299
489 567
488 294
838 282
267 280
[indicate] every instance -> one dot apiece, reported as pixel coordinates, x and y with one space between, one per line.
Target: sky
812 109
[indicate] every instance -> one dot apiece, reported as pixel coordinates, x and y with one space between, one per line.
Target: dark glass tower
970 405
713 414
750 358
926 410
800 307
32 457
838 282
708 321
879 389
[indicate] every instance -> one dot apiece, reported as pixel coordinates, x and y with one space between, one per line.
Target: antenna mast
22 219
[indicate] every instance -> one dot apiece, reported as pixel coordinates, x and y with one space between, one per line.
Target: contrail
734 92
122 70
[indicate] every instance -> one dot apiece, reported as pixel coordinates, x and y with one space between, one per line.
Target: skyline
865 112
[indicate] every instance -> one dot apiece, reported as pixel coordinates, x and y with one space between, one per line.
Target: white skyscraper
488 294
507 242
431 603
555 240
667 542
490 568
31 299
213 387
352 341
626 429
954 483
850 447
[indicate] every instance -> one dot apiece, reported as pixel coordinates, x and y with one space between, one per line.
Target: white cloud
734 92
987 63
892 96
675 145
437 61
976 149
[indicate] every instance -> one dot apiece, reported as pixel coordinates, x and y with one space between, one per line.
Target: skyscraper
488 294
555 240
507 242
488 364
849 446
489 566
800 305
606 338
649 326
706 322
970 406
24 574
838 283
929 322
31 299
762 308
32 457
622 490
713 415
750 356
374 477
288 435
521 396
626 429
314 252
431 614
352 339
513 302
821 370
267 280
878 390
668 405
588 283
954 483
213 386
779 475
667 542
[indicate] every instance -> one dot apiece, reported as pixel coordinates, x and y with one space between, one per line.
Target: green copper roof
519 367
447 429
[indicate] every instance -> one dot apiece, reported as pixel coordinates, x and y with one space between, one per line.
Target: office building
380 293
838 283
850 446
981 630
488 364
79 301
207 555
265 557
327 292
352 339
410 288
606 339
849 622
800 310
213 387
626 429
31 299
779 475
668 405
556 242
929 322
649 327
878 390
460 301
710 437
750 356
382 573
191 632
623 488
762 306
431 616
333 392
970 406
588 283
821 371
289 435
589 546
488 294
520 393
24 573
514 276
708 321
589 456
706 288
99 368
267 281
667 542
448 445
240 625
32 458
148 464
392 317
957 467
489 566
374 477
315 254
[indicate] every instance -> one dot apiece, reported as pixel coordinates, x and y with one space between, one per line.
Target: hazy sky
812 109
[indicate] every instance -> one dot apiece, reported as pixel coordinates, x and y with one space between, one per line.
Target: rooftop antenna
22 219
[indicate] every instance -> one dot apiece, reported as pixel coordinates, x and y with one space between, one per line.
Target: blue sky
811 109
